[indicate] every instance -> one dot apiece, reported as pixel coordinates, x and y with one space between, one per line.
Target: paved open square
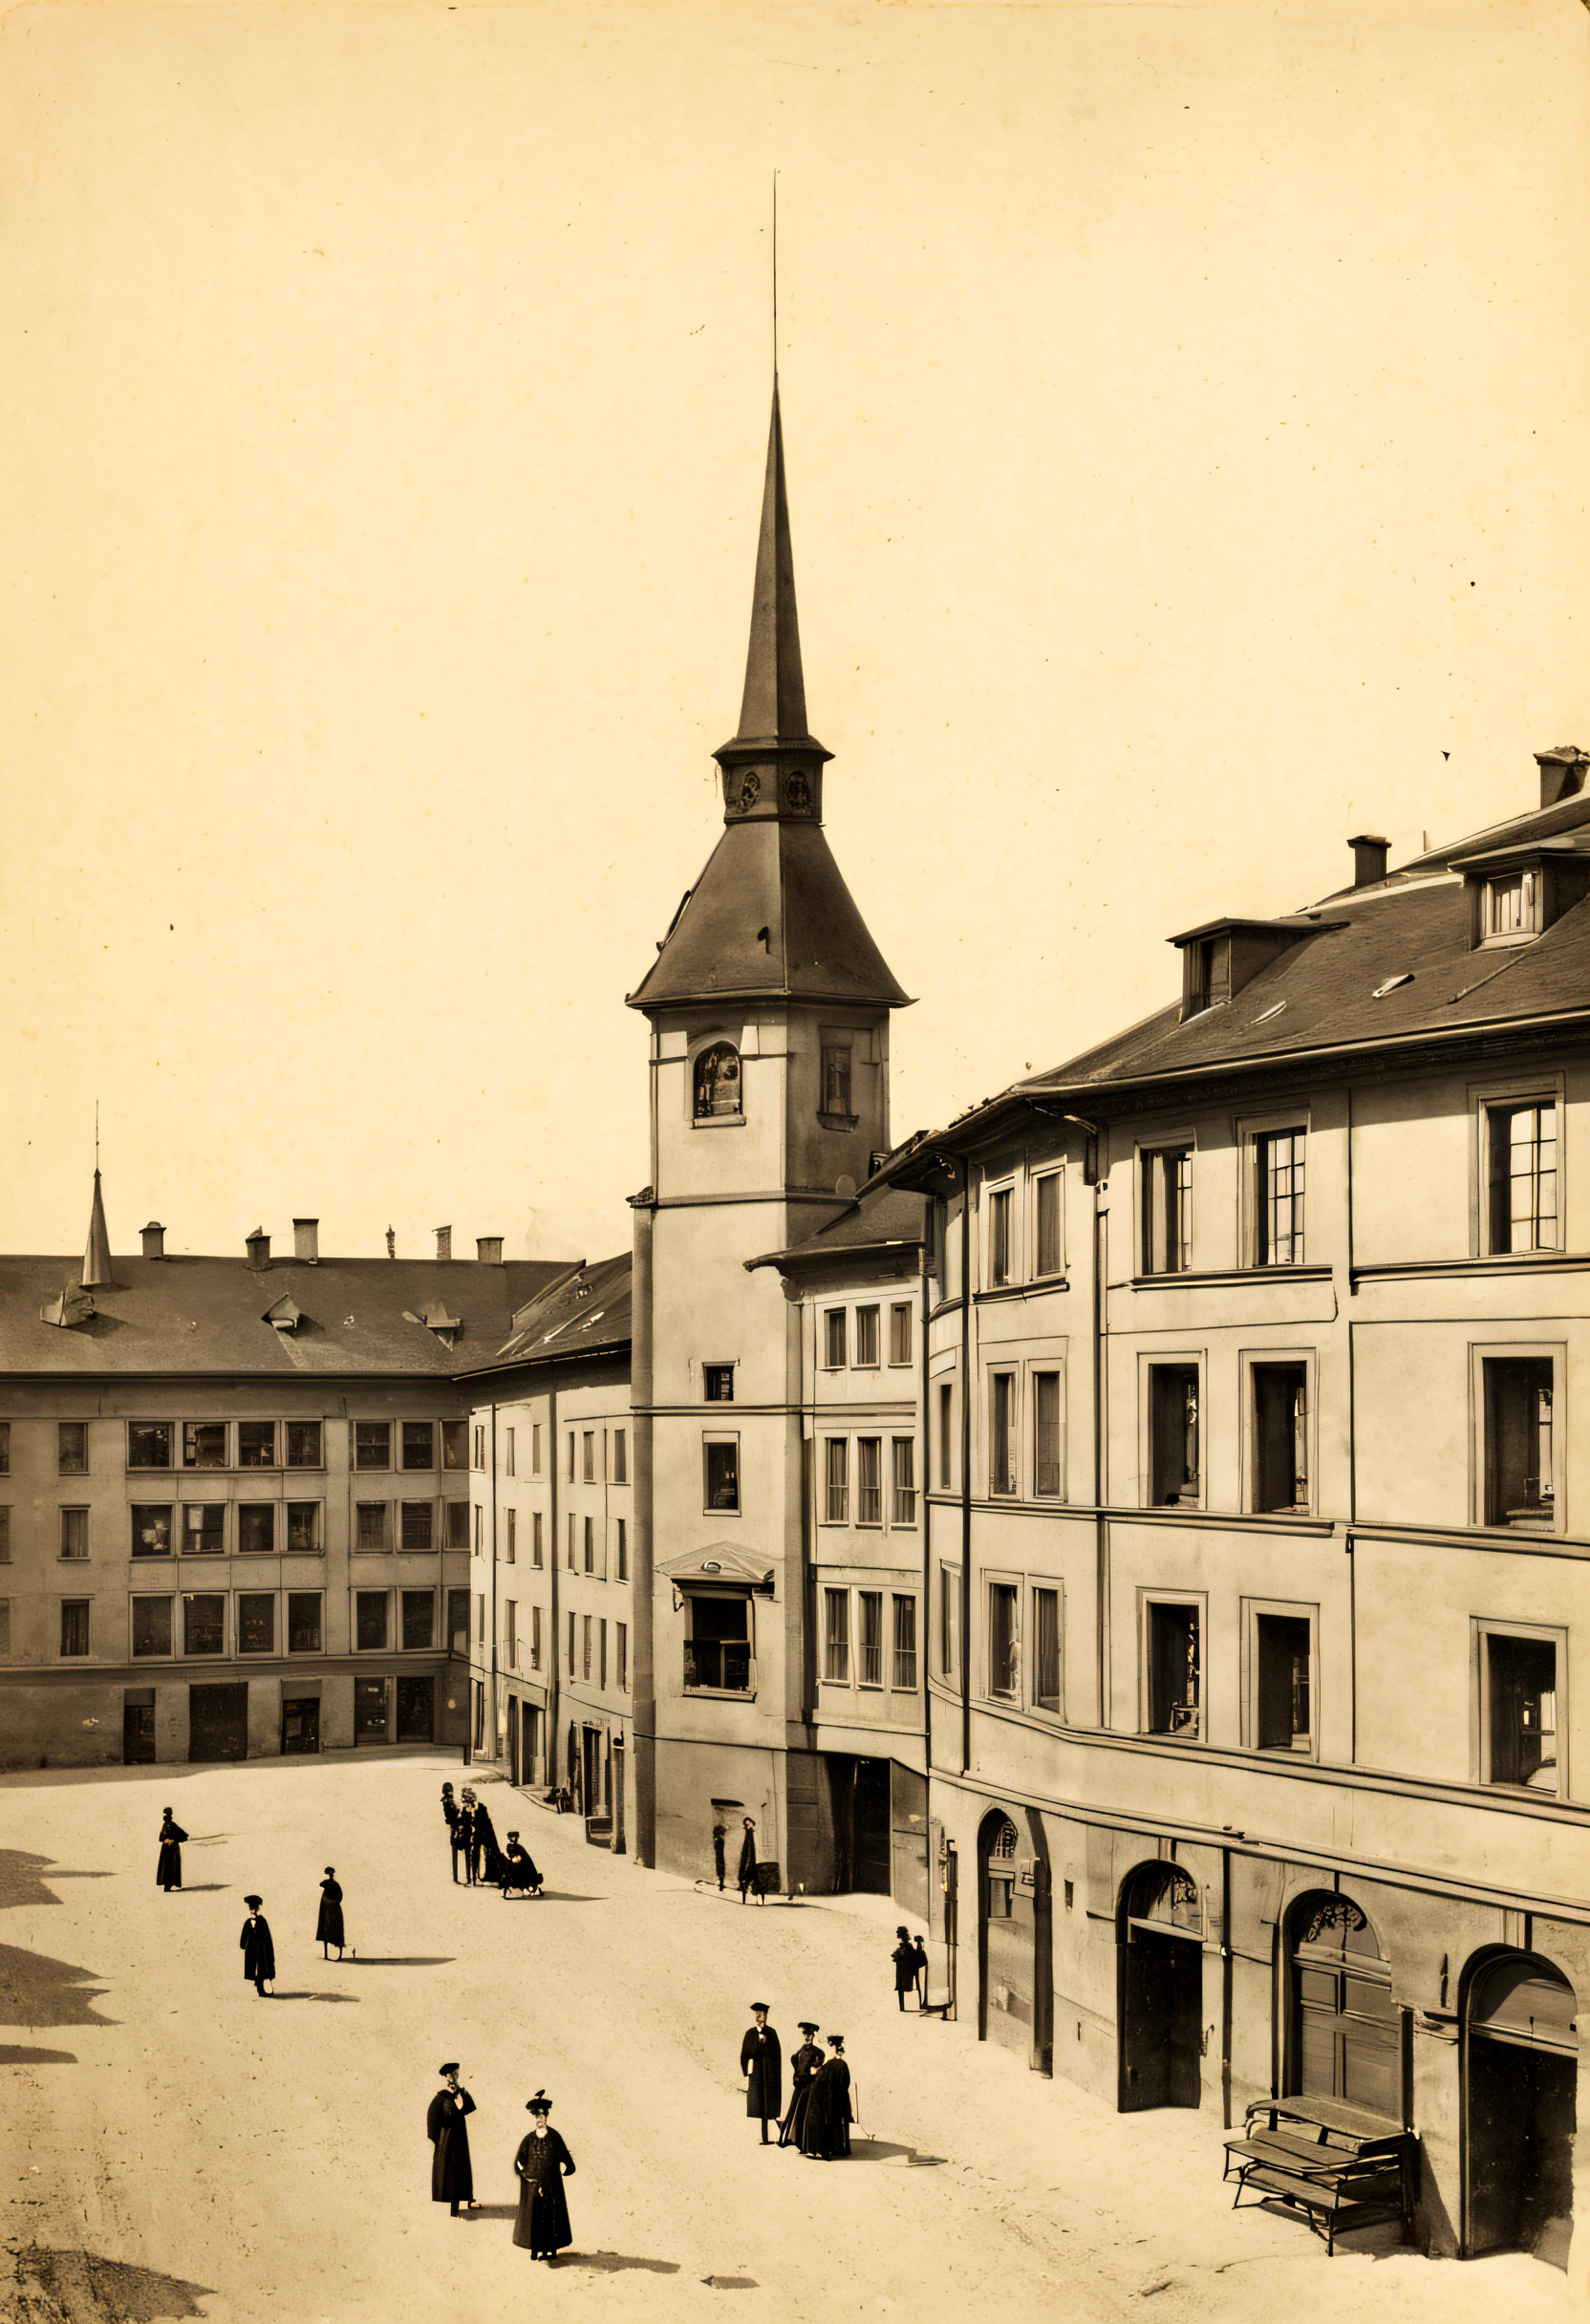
175 2146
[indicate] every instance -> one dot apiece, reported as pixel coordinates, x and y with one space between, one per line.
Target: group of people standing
541 2166
255 1942
472 1836
821 2106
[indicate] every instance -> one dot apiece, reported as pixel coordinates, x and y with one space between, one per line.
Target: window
457 1622
866 1336
1004 1665
718 1382
256 1527
836 1637
587 1449
1001 1434
303 1444
1046 1480
949 1622
454 1439
72 1448
998 1238
585 1645
303 1528
74 1533
905 1644
570 1457
717 1083
590 1545
151 1625
869 1480
1168 1211
1278 1199
458 1524
538 1539
723 1471
869 1609
1173 1435
571 1620
256 1622
256 1444
148 1444
1208 973
303 1621
718 1644
479 1448
1519 1707
535 1449
623 1547
418 1439
621 1656
833 1339
837 1472
1520 1148
1510 906
152 1532
535 1638
572 1557
1045 1649
205 1444
5 1627
371 1444
416 1525
420 1623
836 1082
480 1528
5 1448
946 1439
204 1624
507 1452
1518 1477
1282 1651
511 1523
1279 1436
75 1625
5 1535
1173 1671
480 1618
203 1529
370 1616
1050 1254
904 1457
621 1450
370 1531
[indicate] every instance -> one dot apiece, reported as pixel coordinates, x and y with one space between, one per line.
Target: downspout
554 1689
493 1694
1226 1972
965 1466
643 1719
925 1641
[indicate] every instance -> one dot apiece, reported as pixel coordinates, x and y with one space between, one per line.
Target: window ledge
839 1121
1015 1291
718 1121
1283 1271
718 1694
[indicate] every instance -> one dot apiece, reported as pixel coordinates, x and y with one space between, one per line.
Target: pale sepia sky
1186 412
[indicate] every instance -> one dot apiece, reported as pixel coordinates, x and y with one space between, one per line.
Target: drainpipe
965 1466
493 1730
1225 1987
554 1692
643 1717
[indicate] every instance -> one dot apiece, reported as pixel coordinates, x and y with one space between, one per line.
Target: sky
1185 411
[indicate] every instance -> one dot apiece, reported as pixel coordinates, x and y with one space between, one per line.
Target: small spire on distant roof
775 698
97 1256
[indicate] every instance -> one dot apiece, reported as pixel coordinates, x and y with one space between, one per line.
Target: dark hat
446 1787
540 2104
331 1872
759 2005
513 1836
806 2025
253 1903
902 1931
451 2067
836 2041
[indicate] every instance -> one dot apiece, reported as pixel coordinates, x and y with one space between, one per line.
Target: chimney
1562 772
444 1243
154 1239
306 1240
488 1249
1369 855
258 1249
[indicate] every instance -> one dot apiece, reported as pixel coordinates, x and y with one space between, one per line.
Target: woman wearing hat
519 1871
328 1926
826 2136
168 1874
803 2068
452 2176
259 1954
905 1966
542 2163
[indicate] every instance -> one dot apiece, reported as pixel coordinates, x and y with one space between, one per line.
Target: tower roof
97 1256
774 705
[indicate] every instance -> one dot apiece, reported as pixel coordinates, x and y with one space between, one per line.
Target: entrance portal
1009 1939
138 1728
370 1713
301 1724
1161 1988
1522 2045
415 1710
1343 2035
858 1794
218 1722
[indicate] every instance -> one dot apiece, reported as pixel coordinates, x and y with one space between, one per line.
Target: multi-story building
234 1498
1258 1555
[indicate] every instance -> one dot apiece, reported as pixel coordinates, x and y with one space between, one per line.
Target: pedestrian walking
452 2179
921 1973
259 1954
450 1812
488 1857
464 1835
328 1927
761 2061
826 2134
719 1840
168 1873
904 1957
542 2163
519 1876
747 1871
802 2070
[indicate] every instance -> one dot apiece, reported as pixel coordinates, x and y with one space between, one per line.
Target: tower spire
97 1256
774 706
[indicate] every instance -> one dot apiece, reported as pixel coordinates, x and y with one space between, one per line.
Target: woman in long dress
169 1872
542 2163
328 1926
826 2135
488 1857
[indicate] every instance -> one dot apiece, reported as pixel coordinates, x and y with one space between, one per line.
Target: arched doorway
1008 1936
1343 2035
1160 1931
1520 2068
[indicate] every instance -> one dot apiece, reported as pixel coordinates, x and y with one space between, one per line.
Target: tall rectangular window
1004 1667
256 1622
152 1532
480 1618
415 1526
205 1444
74 1533
1208 973
620 1456
899 1332
1278 1199
866 1336
836 1637
256 1444
204 1623
903 1454
6 1448
479 1460
998 1238
1510 906
949 1620
203 1529
837 1080
510 1632
572 1633
507 1452
72 1448
5 1534
303 1527
837 1476
585 1645
455 1444
602 1654
75 1625
621 1655
1168 1211
1174 1676
256 1528
721 1462
458 1524
303 1444
1520 1487
151 1625
418 1618
4 1630
371 1444
538 1539
1521 1176
870 1610
480 1528
535 1638
1046 1435
457 1622
869 1480
833 1339
512 1534
1520 1706
371 1526
573 1561
946 1438
571 1435
587 1449
535 1447
1050 1253
1002 1433
1173 1450
623 1549
370 1621
1045 1649
419 1444
303 1621
905 1644
590 1545
1280 1436
1283 1712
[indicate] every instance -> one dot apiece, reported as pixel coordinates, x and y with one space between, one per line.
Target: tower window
836 1082
717 1082
723 1471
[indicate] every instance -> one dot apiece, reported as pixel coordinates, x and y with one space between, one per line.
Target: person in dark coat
489 1856
921 1972
719 1841
168 1874
905 1966
761 2060
542 2163
747 1871
804 2067
452 2179
450 1814
328 1927
464 1835
259 1954
825 2136
519 1872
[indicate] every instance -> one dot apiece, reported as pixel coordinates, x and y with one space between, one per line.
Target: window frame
1482 1352
1252 1132
870 1454
1148 1599
1005 1372
712 1440
1049 1174
1286 1609
74 1556
1170 1359
834 1486
875 1599
1152 1237
384 1644
896 1309
153 1654
831 1315
258 1597
948 1644
710 1115
319 1646
76 1653
909 1491
249 1510
1482 1628
1497 1096
359 1466
1048 1367
895 1650
1248 1361
868 1325
1008 1585
204 1654
372 1549
1001 1267
836 1636
77 1467
317 1528
1044 1585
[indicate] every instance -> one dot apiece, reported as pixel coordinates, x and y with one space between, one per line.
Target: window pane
722 1464
205 1625
371 1525
1280 1436
205 1444
1001 1463
717 1083
1168 1211
1279 1191
457 1622
1045 1649
1173 1427
370 1619
1004 1672
1045 1417
836 1637
72 1448
256 1624
75 1625
418 1619
621 1446
1518 1418
838 1474
899 1332
152 1532
149 1444
303 1621
1522 1674
998 1238
871 1637
1047 1208
1281 1647
458 1524
1521 1163
1173 1672
256 1527
869 1480
5 1448
151 1625
905 1644
74 1533
866 1335
905 1480
417 1524
373 1444
834 1329
837 1080
256 1444
203 1529
303 1444
419 1444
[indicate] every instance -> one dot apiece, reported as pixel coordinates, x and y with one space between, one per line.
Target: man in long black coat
259 1954
542 2163
803 2071
761 2060
452 2175
905 1966
168 1873
748 1869
450 1814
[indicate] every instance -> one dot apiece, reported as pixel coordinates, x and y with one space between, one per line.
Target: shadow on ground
80 2287
36 1991
615 2263
349 1998
397 1961
12 2055
885 2150
22 1877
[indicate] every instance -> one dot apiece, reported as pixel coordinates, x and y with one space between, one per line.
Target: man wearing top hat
259 1954
802 2069
762 2059
452 2175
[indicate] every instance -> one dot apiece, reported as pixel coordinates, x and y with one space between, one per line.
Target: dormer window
1510 906
717 1084
1208 973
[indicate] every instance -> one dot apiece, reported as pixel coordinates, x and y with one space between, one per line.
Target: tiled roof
872 1222
584 1311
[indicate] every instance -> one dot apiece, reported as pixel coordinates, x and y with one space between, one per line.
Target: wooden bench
1338 2165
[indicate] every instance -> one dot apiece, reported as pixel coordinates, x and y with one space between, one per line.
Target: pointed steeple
96 1258
774 706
